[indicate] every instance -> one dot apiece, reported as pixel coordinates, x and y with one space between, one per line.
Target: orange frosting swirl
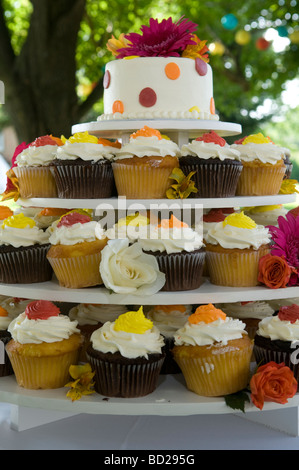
3 312
53 211
5 212
207 314
170 308
173 222
41 310
146 132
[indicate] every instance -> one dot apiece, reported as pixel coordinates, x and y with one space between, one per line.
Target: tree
53 53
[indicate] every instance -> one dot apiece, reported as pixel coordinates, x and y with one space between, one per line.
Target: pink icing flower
73 218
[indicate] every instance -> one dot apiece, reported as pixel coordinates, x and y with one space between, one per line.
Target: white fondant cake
158 88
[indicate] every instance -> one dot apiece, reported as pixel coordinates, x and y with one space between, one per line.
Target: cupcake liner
183 270
25 265
35 182
79 271
212 178
84 181
5 368
260 180
234 268
127 378
141 181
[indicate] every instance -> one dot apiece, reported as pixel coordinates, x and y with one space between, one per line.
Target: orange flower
199 49
272 382
274 271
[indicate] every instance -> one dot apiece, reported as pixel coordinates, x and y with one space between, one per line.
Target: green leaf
237 401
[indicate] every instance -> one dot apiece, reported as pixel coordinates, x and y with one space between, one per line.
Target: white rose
125 269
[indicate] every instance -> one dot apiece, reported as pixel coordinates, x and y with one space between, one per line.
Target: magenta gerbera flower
165 39
286 239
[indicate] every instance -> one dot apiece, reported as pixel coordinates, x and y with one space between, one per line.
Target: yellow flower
12 191
288 186
184 186
82 384
193 51
114 44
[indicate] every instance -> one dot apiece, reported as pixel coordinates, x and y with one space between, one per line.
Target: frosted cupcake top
210 145
76 227
18 230
45 217
130 227
209 325
258 147
171 235
5 319
41 152
266 215
87 147
283 326
238 231
131 334
242 310
14 305
42 322
92 314
169 318
148 142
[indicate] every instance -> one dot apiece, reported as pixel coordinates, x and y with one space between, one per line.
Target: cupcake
233 250
251 313
142 167
266 215
263 166
90 317
129 227
44 345
45 217
277 338
23 251
126 356
5 337
277 303
216 164
168 319
82 168
179 250
14 305
213 351
33 168
75 251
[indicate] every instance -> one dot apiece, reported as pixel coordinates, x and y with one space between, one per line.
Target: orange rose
272 382
274 271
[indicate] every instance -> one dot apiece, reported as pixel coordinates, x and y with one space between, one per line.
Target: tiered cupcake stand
171 398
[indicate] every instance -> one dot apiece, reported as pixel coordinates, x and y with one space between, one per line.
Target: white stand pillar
22 418
284 420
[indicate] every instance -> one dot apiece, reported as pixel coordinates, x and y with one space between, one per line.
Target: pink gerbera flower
165 39
286 239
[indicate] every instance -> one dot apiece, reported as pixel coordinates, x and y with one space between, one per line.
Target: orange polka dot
118 107
172 71
212 106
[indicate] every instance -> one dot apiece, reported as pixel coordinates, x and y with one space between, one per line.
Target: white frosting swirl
171 240
27 236
55 328
203 334
91 314
76 233
229 236
86 151
169 323
266 217
148 146
266 153
257 309
130 345
205 150
37 156
274 328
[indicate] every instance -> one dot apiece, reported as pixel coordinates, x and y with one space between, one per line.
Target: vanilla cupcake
75 252
213 352
142 167
129 227
233 250
266 215
127 356
33 168
217 166
82 168
263 166
44 345
168 319
23 250
45 217
90 317
179 250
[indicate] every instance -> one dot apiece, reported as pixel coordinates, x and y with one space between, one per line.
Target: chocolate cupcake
217 166
82 168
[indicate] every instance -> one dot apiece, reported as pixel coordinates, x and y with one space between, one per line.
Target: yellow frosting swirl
134 220
256 139
265 208
80 137
239 219
133 322
18 221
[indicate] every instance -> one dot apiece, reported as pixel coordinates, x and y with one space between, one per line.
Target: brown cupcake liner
212 178
25 265
83 181
260 180
35 182
126 378
5 368
183 270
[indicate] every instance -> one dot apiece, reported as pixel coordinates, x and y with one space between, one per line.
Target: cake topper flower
164 39
113 44
198 50
288 186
